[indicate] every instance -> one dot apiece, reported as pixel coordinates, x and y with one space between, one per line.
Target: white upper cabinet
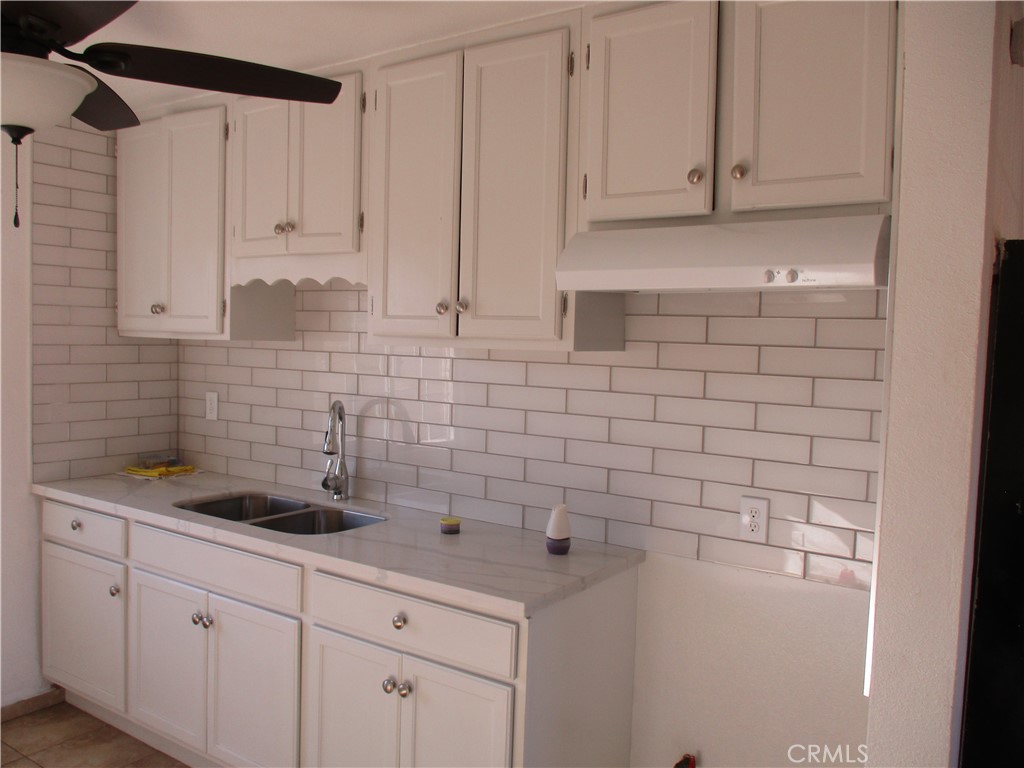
649 81
811 104
468 194
295 188
170 213
513 192
414 189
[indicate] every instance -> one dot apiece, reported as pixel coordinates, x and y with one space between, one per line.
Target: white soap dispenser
559 536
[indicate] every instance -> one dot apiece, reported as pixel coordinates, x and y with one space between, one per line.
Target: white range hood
840 252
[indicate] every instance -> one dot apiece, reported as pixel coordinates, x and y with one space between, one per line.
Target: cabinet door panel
254 685
142 226
454 719
348 718
83 624
324 177
812 95
513 168
651 107
196 220
167 658
415 162
261 176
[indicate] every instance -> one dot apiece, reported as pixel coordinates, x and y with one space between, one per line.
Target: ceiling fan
38 92
34 30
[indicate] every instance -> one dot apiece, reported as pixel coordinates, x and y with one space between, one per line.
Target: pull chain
16 133
17 219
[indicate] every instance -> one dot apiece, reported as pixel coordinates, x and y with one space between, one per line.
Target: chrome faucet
336 479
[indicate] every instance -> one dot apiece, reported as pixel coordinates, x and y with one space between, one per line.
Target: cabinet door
348 718
254 685
167 658
454 719
260 177
170 260
812 115
143 226
513 187
650 85
83 617
415 190
323 184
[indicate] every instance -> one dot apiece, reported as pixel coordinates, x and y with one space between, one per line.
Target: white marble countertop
487 567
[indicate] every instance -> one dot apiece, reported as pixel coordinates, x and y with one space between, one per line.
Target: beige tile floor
65 737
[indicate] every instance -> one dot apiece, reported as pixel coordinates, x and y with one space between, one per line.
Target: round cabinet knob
279 229
738 171
389 685
695 176
441 308
404 689
399 621
769 276
196 618
791 276
289 226
157 309
207 622
461 306
115 590
75 525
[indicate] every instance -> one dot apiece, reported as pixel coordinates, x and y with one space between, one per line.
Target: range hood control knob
769 276
791 276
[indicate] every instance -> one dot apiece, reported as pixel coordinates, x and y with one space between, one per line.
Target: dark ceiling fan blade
103 109
60 21
208 73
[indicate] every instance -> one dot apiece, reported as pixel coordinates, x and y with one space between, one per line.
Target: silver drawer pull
404 689
196 618
115 590
399 621
76 525
389 685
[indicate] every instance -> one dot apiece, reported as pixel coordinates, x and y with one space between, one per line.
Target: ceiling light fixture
37 93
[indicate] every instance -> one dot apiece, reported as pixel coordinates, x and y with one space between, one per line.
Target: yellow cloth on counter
160 471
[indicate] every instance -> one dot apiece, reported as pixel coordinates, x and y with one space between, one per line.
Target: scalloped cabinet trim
295 182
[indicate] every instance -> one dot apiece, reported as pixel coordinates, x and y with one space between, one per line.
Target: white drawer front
467 640
82 528
266 581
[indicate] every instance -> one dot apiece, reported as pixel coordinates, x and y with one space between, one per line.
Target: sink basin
312 522
244 507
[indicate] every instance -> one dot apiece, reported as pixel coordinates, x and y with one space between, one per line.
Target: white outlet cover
211 406
753 519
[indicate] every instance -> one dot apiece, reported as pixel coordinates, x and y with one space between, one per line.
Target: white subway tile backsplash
500 419
845 573
789 332
527 446
702 466
865 549
527 398
850 454
595 454
851 334
745 304
567 475
682 410
528 494
611 404
606 505
489 465
811 538
652 539
489 511
838 393
842 513
564 376
681 517
786 390
658 382
821 422
818 303
452 482
444 436
821 481
676 490
567 425
749 555
637 354
709 357
666 328
758 445
489 371
821 363
679 437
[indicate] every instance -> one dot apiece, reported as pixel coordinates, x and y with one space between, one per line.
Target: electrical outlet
211 406
753 519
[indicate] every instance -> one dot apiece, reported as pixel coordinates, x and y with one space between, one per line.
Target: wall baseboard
27 706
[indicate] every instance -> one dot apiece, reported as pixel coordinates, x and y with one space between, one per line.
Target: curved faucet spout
336 479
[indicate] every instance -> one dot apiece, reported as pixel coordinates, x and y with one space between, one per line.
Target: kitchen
150 397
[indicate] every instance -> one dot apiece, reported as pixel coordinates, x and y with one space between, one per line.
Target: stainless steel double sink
279 513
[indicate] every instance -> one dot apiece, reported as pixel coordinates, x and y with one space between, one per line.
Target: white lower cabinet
218 674
83 617
367 705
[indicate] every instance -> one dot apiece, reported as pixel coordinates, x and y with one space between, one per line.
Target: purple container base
558 546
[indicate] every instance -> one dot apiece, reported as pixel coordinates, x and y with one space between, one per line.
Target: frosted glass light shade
38 93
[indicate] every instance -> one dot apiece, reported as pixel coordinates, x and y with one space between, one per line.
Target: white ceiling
304 35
